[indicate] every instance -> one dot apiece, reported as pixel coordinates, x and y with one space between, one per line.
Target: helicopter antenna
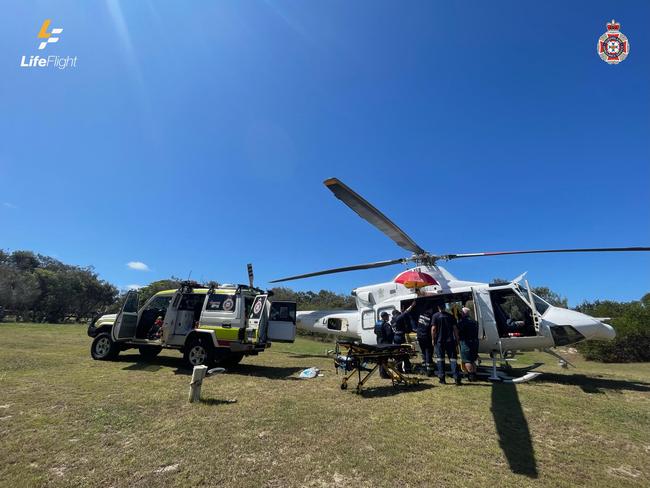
249 267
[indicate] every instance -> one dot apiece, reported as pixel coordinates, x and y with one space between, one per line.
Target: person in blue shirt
444 333
468 336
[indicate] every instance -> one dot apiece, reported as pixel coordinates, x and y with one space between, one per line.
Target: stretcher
353 358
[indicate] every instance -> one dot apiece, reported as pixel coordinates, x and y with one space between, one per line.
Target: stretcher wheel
344 386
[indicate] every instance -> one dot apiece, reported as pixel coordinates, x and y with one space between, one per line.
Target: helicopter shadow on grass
512 428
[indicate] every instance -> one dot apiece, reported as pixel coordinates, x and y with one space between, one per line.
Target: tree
146 292
631 320
46 289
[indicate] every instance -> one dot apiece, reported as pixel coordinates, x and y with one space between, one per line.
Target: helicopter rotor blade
377 264
368 212
543 251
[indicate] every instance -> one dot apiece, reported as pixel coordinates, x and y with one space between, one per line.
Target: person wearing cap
445 337
383 330
468 338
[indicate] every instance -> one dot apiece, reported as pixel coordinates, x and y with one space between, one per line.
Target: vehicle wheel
198 352
104 348
149 352
231 360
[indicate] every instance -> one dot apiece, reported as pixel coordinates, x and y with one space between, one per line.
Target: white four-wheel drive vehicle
217 324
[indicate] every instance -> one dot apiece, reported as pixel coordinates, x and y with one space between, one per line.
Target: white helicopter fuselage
510 316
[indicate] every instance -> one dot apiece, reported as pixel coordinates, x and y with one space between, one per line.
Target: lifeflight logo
53 61
44 34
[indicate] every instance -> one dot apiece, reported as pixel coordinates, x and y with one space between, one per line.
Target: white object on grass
309 373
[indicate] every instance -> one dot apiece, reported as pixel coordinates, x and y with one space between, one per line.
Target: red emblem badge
613 47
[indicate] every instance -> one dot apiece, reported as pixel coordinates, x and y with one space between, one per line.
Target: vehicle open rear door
257 319
127 320
282 321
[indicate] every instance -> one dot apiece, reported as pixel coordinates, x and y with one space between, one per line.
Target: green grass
66 420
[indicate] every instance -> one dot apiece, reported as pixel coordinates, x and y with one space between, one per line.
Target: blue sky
196 136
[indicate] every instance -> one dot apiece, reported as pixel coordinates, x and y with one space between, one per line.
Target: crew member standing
445 337
468 335
384 333
402 325
383 330
423 332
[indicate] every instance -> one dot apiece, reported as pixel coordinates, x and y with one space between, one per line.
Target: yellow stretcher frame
360 354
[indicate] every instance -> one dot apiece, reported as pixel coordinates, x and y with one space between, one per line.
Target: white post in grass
197 379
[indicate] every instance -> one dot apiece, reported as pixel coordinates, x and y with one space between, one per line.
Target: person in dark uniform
384 333
383 330
445 337
423 331
468 337
402 325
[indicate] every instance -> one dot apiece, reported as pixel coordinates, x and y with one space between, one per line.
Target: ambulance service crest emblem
613 47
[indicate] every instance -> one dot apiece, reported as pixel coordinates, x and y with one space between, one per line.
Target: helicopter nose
566 323
605 332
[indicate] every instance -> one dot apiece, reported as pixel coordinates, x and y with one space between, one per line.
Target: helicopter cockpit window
540 305
513 315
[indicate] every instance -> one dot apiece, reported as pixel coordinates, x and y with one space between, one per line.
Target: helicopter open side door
485 317
127 320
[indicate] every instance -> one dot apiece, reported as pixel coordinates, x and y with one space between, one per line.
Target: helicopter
510 315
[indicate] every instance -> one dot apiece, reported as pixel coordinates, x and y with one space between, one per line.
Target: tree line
40 288
43 289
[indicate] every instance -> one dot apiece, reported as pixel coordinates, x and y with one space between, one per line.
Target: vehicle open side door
127 320
282 321
257 323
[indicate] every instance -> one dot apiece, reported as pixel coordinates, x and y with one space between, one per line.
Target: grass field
66 420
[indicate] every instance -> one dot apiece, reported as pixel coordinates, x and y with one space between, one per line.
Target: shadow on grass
512 428
152 365
155 364
216 401
294 355
270 372
389 390
590 384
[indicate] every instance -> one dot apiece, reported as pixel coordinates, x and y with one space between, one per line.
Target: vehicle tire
231 360
104 348
198 352
149 352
